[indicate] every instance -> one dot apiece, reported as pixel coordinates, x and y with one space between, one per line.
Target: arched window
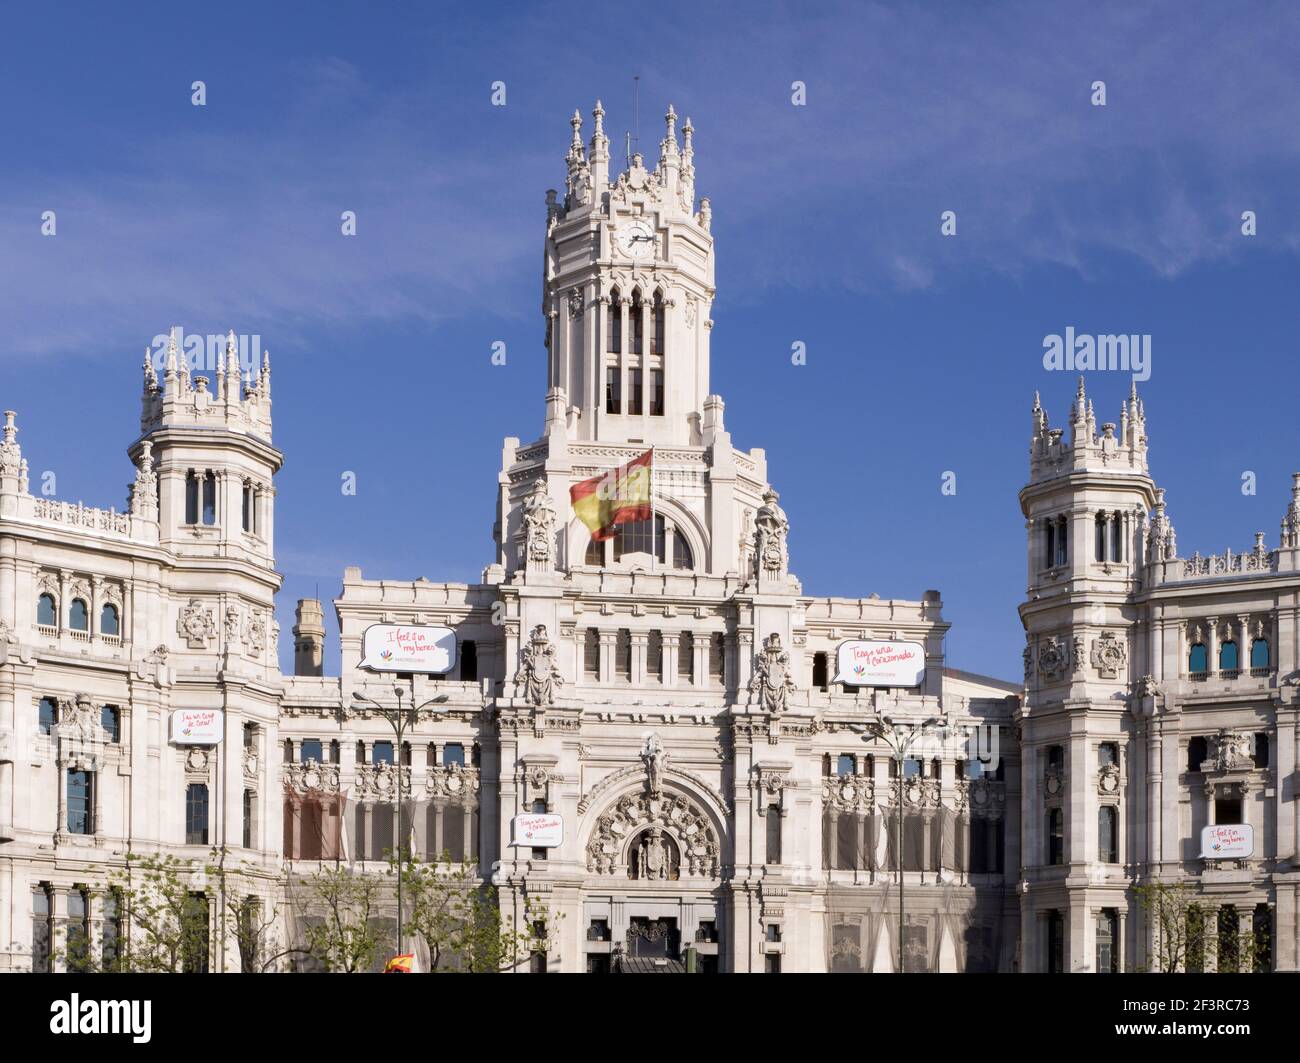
591 654
636 320
1259 653
47 612
210 498
1198 659
615 341
1062 542
1228 661
657 328
595 552
78 616
1117 536
191 498
1100 550
1049 542
682 557
640 537
108 620
1197 751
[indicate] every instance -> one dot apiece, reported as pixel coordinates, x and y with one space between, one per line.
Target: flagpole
654 525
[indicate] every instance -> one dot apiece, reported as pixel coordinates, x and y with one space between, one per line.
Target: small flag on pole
404 964
616 497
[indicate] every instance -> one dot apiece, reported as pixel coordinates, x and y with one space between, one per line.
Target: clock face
636 239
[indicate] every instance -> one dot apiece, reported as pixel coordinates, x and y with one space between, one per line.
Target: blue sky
923 351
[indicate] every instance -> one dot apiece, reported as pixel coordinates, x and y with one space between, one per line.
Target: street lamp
399 718
899 738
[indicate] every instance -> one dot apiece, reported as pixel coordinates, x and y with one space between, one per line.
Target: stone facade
671 692
1161 696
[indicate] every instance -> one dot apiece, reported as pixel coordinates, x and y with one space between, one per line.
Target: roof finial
576 122
599 115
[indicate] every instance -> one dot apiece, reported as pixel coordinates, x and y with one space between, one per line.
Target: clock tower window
613 389
636 315
657 328
615 344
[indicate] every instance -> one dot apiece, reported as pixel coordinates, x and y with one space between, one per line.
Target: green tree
459 918
1186 934
341 910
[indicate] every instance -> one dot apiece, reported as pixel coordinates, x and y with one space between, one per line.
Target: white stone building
670 692
1161 696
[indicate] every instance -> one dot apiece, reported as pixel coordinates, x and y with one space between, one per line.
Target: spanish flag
404 964
616 497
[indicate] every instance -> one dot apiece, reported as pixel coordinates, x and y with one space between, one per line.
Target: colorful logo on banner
408 648
880 664
1227 841
538 830
197 727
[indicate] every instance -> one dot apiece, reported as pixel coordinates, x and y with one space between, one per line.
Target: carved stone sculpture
772 680
539 676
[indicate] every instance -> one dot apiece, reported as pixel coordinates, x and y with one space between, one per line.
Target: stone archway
633 817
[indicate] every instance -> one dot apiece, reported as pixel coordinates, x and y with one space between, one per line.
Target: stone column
640 642
1212 664
608 642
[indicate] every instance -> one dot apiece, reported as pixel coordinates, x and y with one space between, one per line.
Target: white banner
408 648
1225 841
197 727
880 664
540 830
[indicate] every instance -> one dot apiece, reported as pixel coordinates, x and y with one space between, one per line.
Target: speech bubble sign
539 830
408 648
1223 841
880 664
197 727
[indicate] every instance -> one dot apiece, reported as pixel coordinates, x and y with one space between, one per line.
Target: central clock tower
627 292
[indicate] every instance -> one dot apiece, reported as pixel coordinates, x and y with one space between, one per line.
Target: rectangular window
686 656
196 814
110 719
623 656
48 717
591 654
469 661
1054 933
1227 809
634 391
820 671
310 750
772 963
81 802
42 928
1108 834
773 818
845 764
656 392
78 930
717 655
249 818
1107 941
613 390
453 753
1055 836
112 929
654 657
382 753
195 933
250 508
